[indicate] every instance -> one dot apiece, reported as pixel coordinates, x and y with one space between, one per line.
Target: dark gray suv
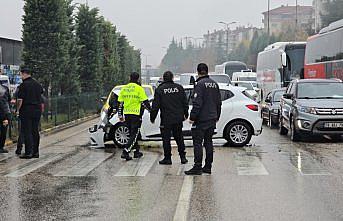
312 106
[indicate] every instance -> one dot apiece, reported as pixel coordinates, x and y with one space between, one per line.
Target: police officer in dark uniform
30 110
171 99
204 115
5 115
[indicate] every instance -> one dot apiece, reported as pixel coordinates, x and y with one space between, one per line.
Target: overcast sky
151 24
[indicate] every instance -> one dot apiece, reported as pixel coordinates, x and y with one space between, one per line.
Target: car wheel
295 135
121 135
270 122
238 134
282 129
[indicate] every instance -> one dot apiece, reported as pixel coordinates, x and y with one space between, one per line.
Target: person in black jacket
204 115
171 100
5 115
30 111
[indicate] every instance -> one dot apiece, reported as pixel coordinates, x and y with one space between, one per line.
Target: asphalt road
273 179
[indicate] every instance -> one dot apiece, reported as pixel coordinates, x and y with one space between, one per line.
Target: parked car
271 107
240 120
190 78
109 109
312 106
250 90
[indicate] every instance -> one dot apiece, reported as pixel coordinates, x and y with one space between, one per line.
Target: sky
150 25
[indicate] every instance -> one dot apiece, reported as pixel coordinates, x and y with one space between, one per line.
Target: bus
279 64
230 67
324 53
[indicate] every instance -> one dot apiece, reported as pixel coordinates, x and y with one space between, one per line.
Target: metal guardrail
61 110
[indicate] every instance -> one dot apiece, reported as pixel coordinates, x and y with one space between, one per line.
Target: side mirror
288 96
284 59
103 99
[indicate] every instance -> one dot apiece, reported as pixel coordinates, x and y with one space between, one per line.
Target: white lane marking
182 208
86 165
34 165
4 157
182 166
307 166
249 165
138 167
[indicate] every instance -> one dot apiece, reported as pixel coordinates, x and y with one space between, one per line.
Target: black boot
207 169
196 170
18 151
137 154
166 161
125 155
183 159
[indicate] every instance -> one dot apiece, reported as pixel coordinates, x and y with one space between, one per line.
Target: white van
244 76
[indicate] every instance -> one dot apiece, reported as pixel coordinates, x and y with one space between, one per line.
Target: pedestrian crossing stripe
249 165
139 167
86 165
33 165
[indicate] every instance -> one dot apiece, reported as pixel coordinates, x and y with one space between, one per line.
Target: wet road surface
274 179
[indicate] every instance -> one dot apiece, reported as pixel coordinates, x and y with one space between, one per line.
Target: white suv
239 121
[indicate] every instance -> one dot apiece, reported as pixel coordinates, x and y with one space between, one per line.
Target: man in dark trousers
5 115
131 99
204 115
30 110
171 100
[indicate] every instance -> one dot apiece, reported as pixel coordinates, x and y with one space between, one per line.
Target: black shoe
194 171
166 161
125 155
35 155
137 154
3 151
26 156
207 169
183 160
18 152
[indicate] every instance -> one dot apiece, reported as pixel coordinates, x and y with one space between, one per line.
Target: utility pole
268 14
296 20
227 34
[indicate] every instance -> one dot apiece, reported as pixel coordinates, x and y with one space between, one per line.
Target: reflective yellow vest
132 95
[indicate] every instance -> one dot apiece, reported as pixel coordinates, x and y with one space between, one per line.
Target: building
229 39
10 56
302 16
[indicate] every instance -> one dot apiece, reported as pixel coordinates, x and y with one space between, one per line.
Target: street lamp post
227 34
296 20
268 14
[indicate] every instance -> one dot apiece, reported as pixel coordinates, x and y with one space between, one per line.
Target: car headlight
103 115
308 110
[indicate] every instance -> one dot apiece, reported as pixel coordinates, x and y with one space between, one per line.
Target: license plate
333 125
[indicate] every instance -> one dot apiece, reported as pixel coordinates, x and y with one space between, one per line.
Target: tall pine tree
45 41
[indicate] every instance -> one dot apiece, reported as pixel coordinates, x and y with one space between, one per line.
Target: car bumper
315 124
97 136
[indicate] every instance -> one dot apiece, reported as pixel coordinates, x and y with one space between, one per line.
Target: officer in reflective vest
131 99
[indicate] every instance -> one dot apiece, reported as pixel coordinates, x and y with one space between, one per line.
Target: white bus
279 64
230 67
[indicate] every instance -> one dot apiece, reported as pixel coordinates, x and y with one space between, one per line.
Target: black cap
25 70
202 68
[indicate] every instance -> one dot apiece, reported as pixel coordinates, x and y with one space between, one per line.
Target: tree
333 12
70 82
88 35
45 49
